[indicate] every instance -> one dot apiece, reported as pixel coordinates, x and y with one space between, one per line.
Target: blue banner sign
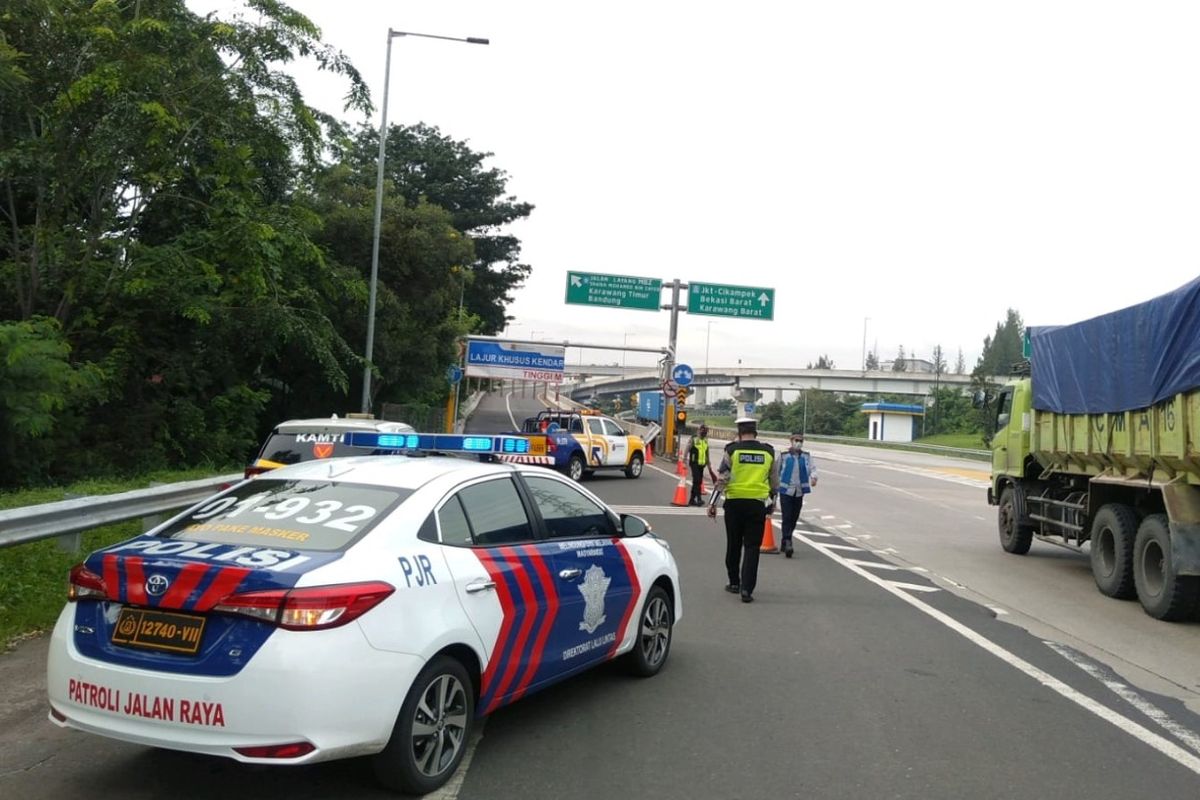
512 361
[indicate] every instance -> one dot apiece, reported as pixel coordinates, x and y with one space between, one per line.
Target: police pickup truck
578 443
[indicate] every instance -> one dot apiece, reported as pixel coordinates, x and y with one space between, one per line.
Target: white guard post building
891 422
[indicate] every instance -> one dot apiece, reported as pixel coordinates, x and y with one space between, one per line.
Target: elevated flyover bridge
584 381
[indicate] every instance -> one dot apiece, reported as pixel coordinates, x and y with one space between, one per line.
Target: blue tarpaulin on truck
1124 360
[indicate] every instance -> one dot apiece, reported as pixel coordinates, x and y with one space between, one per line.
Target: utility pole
669 365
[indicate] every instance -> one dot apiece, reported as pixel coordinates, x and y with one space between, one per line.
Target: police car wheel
654 635
634 470
431 732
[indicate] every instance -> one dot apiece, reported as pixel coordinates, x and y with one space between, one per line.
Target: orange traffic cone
680 468
768 542
649 452
681 494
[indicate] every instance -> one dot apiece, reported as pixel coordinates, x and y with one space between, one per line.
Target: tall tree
424 165
146 159
901 363
960 364
823 362
1000 352
872 360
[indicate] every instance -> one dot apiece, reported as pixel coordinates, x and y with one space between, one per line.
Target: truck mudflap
1185 547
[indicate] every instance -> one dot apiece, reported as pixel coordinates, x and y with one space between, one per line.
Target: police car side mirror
632 526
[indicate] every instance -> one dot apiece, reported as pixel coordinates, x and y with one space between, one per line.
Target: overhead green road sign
719 300
615 291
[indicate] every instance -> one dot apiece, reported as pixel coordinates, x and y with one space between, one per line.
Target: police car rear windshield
293 448
304 515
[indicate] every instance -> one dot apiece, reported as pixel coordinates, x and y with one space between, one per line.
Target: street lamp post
387 75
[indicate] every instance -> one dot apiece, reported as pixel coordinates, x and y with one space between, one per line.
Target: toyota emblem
157 584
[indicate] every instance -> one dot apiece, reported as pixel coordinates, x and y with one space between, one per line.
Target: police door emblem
594 588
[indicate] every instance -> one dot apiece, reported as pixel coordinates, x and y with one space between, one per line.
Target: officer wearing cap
748 477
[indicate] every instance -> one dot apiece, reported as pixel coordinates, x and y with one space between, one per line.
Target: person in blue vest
797 476
698 460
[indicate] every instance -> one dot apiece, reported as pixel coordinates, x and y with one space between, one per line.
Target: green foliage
823 362
872 360
816 411
424 165
181 267
1000 352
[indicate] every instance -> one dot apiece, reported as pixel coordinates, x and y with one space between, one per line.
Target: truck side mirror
979 399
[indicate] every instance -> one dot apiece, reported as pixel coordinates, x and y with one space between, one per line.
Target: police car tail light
309 609
85 585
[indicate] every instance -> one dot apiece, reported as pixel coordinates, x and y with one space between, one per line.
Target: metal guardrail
929 449
68 517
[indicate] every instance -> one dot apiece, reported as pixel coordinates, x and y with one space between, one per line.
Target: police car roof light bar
439 442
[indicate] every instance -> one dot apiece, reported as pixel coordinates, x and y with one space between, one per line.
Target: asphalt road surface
900 654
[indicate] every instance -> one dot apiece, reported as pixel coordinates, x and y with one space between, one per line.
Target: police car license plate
159 630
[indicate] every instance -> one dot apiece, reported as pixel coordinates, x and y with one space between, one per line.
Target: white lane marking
828 516
1121 722
1122 690
508 405
912 587
871 564
452 787
849 547
997 610
815 533
845 525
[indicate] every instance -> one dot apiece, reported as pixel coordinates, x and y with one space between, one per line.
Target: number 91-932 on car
361 605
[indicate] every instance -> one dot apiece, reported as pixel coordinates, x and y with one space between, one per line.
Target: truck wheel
1164 594
1113 533
575 468
1014 538
634 470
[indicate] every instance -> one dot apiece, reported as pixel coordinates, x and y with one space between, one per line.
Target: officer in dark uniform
748 477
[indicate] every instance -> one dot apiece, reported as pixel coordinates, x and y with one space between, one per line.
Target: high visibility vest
700 450
749 470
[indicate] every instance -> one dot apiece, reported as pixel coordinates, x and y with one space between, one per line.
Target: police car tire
396 766
658 615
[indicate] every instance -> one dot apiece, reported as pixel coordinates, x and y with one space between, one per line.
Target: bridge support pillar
779 395
701 396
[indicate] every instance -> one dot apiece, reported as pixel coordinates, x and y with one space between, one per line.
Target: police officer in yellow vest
748 477
698 460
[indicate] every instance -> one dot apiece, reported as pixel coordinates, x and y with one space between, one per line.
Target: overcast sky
923 166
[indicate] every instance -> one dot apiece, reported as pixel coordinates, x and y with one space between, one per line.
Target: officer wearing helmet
748 478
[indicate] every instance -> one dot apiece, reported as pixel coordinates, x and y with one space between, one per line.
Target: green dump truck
1101 445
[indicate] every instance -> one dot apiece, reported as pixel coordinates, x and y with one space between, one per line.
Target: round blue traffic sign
454 373
749 408
682 375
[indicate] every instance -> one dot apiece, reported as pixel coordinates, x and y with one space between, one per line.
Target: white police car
359 605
